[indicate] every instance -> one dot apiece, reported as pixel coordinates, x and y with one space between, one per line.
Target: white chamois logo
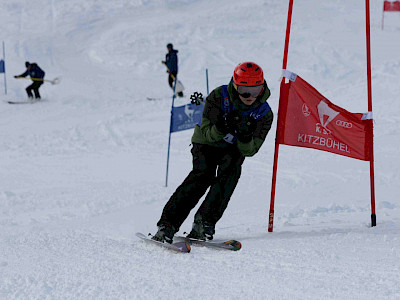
325 110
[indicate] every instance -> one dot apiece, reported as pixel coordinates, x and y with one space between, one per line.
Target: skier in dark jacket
37 75
171 61
235 122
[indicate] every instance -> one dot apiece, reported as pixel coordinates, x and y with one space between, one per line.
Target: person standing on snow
37 75
171 61
235 122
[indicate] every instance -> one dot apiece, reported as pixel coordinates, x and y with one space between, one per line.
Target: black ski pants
216 168
35 87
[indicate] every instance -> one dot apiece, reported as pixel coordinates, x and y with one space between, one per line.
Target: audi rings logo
306 110
344 124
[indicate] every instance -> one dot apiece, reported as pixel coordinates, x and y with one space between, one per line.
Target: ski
21 102
179 247
232 245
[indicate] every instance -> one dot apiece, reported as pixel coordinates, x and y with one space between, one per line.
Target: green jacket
208 134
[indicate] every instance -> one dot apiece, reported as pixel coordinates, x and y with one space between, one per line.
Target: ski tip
141 235
183 247
235 245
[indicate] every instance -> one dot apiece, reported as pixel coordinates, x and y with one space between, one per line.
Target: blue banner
186 117
2 67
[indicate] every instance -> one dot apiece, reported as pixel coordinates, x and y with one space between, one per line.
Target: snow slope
84 170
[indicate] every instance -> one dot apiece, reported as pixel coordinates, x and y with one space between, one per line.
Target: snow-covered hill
84 170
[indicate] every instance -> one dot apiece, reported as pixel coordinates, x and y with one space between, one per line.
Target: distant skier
235 122
171 61
37 75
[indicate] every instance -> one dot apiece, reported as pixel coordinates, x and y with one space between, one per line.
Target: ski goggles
249 91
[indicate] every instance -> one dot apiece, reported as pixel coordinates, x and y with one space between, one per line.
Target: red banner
308 119
391 6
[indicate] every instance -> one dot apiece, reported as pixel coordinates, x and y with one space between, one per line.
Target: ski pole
54 81
172 75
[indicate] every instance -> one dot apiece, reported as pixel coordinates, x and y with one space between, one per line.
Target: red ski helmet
248 74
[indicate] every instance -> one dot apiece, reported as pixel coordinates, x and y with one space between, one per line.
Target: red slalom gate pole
275 167
371 144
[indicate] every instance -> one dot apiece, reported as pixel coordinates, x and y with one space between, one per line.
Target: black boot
209 230
165 233
202 230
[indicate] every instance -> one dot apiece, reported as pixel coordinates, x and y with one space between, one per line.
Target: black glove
234 118
245 129
228 123
222 126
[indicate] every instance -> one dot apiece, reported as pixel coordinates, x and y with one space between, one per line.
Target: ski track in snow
83 170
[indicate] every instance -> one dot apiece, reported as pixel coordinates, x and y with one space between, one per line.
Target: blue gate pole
207 81
170 128
4 59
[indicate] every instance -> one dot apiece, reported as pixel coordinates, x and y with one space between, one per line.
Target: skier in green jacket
235 122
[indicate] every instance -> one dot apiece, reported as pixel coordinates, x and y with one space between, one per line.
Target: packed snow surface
84 169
